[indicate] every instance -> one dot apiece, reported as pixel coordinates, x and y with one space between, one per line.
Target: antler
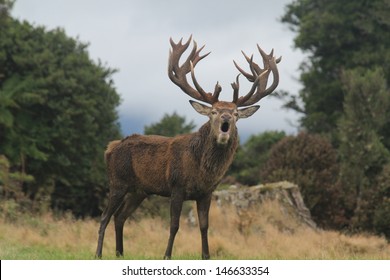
177 73
259 78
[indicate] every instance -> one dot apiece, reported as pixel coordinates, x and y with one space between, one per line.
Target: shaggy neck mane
212 156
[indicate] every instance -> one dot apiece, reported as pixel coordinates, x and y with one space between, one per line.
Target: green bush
252 155
382 210
310 161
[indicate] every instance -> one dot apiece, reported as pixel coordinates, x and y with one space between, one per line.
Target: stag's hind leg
114 202
131 203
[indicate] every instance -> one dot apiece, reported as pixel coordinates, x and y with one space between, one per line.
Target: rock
285 193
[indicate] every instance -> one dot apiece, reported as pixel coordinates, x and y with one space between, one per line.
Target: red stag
185 167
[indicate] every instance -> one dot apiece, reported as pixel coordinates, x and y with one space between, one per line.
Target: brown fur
109 149
187 167
156 164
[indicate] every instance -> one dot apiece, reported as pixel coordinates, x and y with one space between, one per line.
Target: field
262 233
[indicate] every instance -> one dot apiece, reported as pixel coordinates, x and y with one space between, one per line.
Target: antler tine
247 75
259 78
217 91
195 56
179 47
196 84
236 88
177 73
244 99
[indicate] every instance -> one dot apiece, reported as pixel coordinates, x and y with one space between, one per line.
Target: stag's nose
226 117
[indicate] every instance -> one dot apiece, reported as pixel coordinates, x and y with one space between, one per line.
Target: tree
345 94
11 182
252 155
336 35
381 220
170 125
362 153
57 115
5 7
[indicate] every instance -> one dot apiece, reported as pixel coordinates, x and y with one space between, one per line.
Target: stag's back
139 161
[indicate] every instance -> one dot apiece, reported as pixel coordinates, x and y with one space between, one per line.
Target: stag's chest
199 189
198 171
205 179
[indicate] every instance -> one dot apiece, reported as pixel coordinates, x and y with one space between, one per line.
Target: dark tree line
57 113
336 36
345 98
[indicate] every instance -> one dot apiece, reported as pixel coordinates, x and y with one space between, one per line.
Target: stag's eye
213 112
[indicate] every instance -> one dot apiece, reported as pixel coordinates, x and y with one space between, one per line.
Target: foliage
336 35
362 153
381 221
252 155
11 182
170 125
57 110
5 7
345 94
310 161
13 199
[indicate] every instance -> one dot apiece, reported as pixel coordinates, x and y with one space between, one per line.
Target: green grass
257 235
11 251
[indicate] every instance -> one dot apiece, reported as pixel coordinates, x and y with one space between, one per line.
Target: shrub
310 161
252 155
382 211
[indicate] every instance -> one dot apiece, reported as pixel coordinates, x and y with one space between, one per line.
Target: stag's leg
131 203
203 207
114 202
176 206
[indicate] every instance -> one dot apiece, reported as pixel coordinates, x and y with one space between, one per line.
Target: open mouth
225 127
224 136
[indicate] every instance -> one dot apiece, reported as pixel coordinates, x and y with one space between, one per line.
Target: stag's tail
110 148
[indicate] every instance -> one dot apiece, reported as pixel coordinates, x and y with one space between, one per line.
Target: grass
261 233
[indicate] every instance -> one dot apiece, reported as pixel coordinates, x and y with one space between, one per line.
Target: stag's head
223 115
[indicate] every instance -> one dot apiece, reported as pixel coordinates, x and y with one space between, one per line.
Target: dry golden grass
261 233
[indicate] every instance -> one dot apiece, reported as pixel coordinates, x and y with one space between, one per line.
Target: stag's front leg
177 199
203 207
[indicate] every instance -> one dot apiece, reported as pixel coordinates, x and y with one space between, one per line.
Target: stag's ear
200 108
247 112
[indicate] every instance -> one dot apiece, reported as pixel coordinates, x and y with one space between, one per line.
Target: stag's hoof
167 257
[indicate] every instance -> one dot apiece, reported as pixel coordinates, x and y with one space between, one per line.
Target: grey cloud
133 36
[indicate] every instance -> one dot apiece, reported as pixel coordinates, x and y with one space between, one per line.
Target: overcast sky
133 37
